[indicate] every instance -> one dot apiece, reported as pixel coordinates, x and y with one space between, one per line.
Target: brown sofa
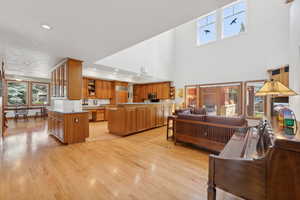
208 132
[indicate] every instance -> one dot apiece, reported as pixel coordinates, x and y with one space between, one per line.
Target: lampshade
275 88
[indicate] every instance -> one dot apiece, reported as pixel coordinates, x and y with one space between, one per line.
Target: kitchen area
98 94
89 102
100 97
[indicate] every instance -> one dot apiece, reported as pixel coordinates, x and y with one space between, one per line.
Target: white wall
244 57
155 54
294 54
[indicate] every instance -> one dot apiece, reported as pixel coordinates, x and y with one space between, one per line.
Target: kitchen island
68 127
129 118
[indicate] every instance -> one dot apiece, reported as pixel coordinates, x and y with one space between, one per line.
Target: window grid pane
40 94
206 30
207 34
17 93
235 23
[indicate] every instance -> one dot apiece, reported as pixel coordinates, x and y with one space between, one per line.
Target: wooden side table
172 119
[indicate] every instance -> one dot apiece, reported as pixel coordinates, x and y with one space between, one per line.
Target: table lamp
275 88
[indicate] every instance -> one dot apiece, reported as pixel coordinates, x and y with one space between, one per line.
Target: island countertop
65 112
139 104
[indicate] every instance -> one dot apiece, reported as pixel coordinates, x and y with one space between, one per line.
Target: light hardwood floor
99 131
142 166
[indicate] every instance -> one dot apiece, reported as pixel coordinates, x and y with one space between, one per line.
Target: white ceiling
85 30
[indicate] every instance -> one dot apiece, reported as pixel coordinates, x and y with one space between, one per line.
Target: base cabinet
128 119
68 128
97 115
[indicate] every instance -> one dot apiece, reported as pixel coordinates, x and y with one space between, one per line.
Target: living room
208 98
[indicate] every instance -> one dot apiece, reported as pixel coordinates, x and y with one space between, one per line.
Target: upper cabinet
280 74
96 88
161 90
66 78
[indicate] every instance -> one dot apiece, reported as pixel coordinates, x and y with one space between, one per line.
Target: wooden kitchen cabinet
100 116
280 74
137 93
141 91
66 79
126 119
165 91
84 88
141 124
100 89
97 114
68 128
122 96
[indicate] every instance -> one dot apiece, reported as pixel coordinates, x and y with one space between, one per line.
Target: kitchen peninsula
126 119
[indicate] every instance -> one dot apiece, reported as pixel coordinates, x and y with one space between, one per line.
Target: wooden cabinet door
131 120
109 89
137 93
65 66
122 96
100 115
143 92
84 88
141 118
159 90
77 126
166 91
99 91
60 80
152 111
53 83
106 90
147 90
57 71
62 92
155 89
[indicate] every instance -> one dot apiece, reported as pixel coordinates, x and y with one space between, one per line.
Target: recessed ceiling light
46 26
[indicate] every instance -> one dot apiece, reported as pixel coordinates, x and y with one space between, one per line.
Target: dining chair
21 112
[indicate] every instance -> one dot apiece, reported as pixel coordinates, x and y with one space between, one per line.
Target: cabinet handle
76 120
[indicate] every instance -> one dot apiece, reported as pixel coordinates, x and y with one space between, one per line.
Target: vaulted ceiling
86 30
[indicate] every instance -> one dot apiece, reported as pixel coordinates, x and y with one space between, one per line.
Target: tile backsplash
63 105
97 102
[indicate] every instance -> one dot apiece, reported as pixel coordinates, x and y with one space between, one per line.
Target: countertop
95 107
77 112
142 103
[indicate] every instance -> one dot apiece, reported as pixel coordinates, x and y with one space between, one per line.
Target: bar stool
5 120
172 119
